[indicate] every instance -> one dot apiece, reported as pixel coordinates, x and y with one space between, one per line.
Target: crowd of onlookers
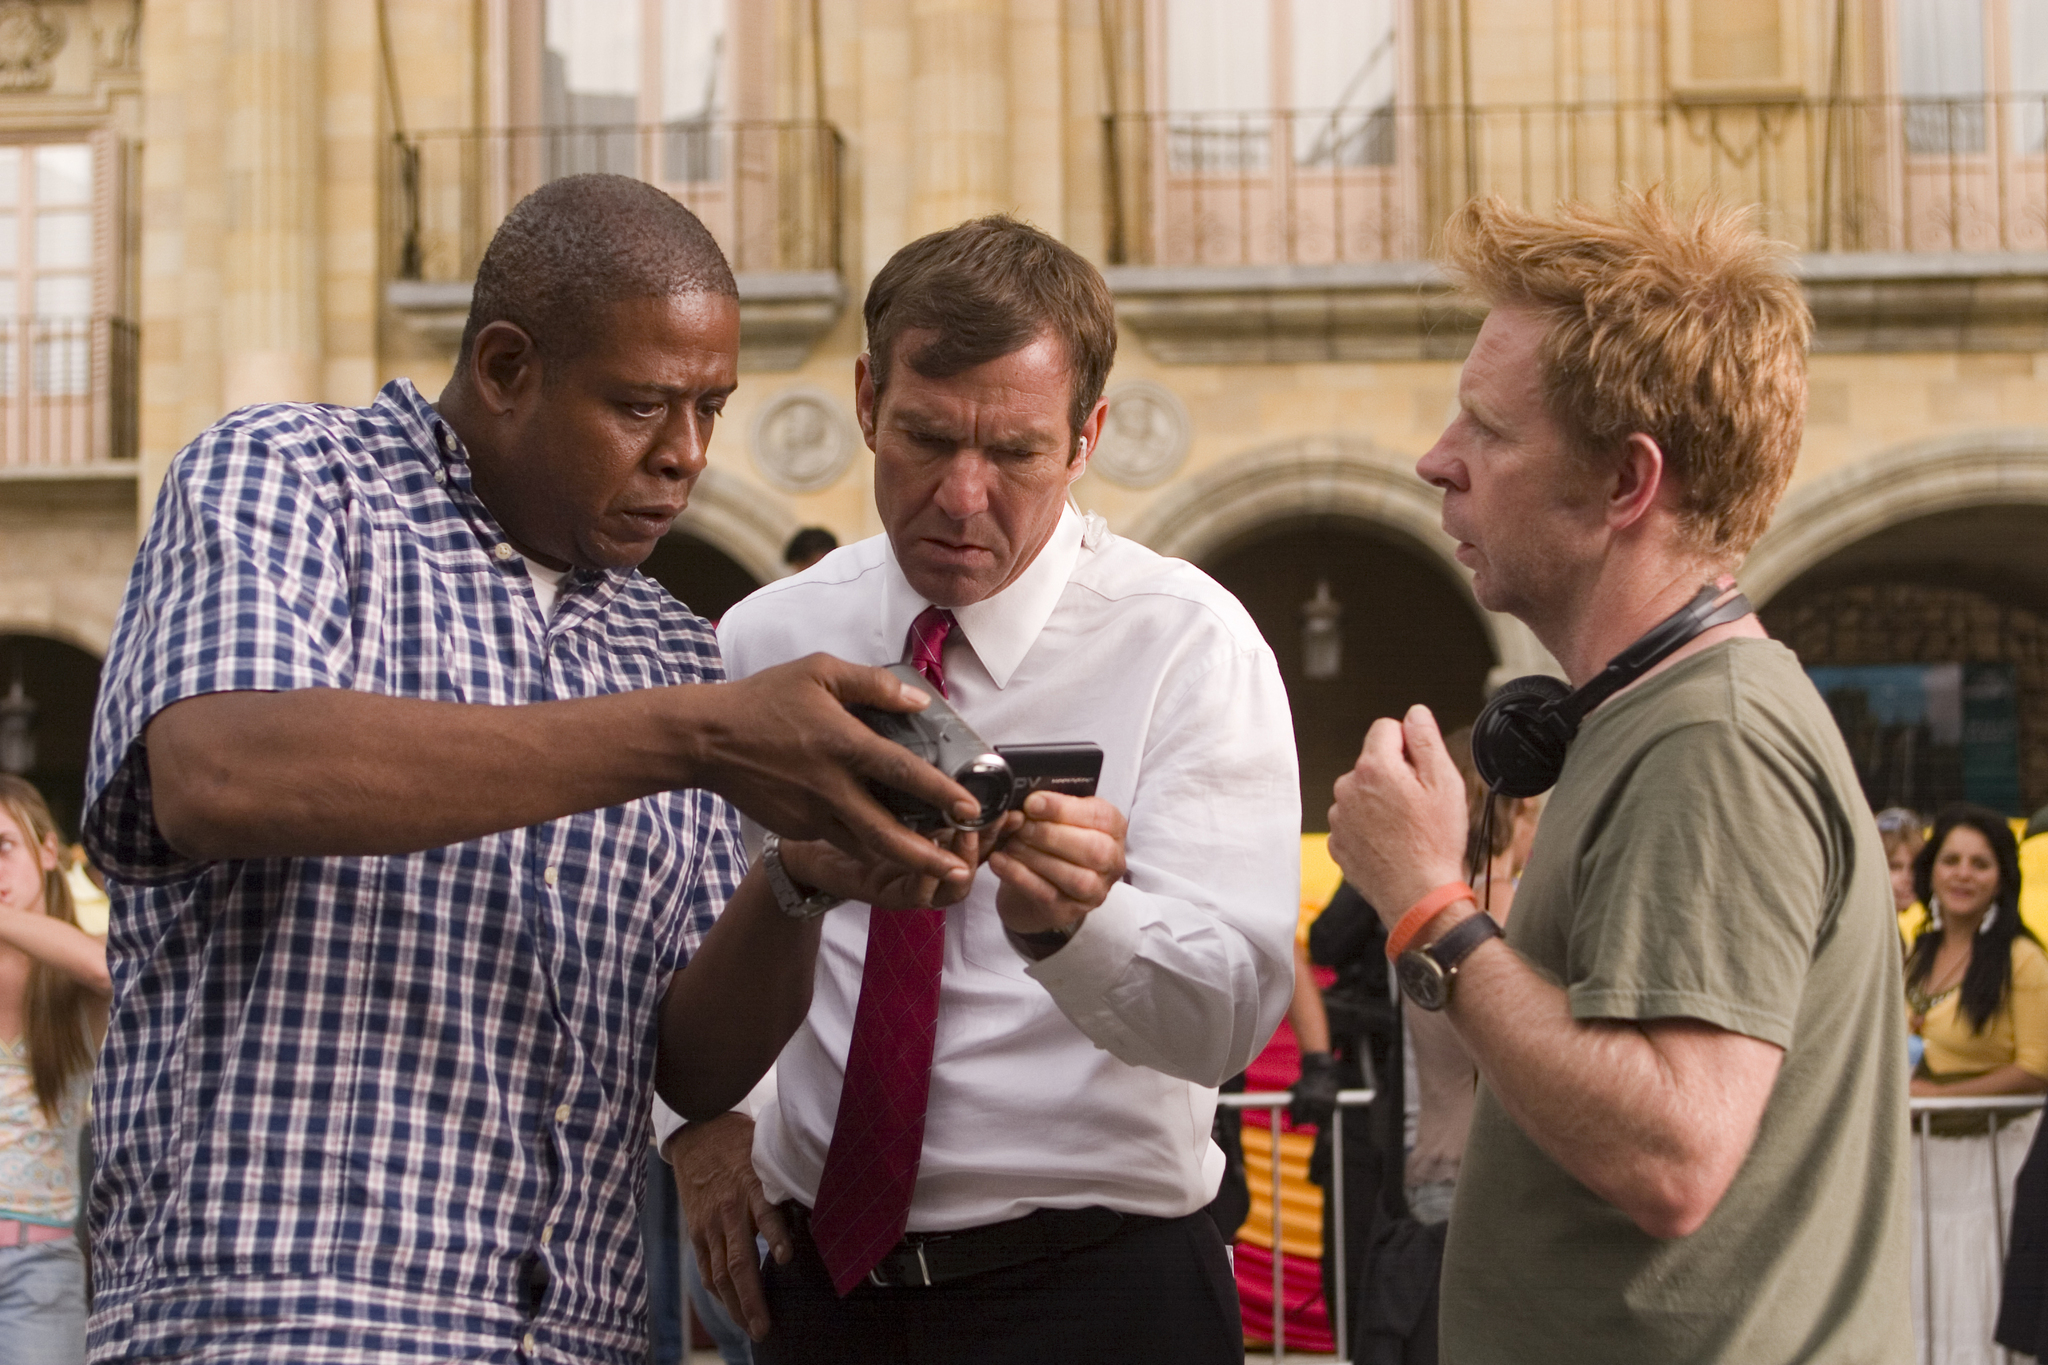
1976 1001
1976 984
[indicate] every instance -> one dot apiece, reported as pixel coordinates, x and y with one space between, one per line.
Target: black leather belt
923 1259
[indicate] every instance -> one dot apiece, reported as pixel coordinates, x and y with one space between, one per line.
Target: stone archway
1320 476
1930 555
2004 466
60 632
61 677
745 522
1405 633
698 574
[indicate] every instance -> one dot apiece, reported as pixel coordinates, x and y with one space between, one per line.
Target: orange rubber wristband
1423 911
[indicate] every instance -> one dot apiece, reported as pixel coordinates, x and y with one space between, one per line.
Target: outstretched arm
327 771
56 944
743 993
727 1014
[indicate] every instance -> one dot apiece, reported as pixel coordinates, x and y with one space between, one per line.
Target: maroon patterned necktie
871 1167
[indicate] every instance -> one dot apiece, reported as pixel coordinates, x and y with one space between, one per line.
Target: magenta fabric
1307 1316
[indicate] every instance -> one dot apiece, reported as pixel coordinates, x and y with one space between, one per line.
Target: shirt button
441 477
501 552
561 1113
547 1234
551 876
527 1344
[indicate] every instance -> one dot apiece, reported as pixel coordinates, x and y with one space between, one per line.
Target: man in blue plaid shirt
416 800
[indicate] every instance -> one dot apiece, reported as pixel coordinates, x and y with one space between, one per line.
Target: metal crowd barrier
1993 1107
1274 1102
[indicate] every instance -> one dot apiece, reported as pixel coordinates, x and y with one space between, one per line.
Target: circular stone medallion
1145 435
802 441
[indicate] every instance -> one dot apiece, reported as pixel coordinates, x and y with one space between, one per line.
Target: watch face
1422 980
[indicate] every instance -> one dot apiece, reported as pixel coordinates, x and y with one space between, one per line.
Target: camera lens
988 781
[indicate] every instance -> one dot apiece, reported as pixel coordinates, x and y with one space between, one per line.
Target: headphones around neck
1520 738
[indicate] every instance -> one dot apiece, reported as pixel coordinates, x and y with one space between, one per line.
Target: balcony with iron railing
67 397
769 191
1314 226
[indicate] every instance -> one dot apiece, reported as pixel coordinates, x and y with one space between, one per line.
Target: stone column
1036 151
350 94
271 278
182 229
960 85
884 131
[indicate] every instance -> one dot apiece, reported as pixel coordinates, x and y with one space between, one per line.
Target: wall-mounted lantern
17 729
1322 635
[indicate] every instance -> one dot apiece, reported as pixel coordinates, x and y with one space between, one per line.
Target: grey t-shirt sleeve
1701 894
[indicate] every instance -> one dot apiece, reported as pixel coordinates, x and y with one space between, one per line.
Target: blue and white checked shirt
346 1102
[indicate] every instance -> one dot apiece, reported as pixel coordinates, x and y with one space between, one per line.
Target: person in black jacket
2023 1309
1365 1036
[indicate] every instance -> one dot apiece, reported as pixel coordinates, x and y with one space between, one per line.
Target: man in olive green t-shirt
1690 1138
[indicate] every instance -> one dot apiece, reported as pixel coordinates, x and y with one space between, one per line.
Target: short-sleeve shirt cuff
1588 1003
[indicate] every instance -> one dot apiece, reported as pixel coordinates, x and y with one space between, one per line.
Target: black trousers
2023 1310
1158 1291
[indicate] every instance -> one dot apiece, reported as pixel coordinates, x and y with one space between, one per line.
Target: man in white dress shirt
1119 957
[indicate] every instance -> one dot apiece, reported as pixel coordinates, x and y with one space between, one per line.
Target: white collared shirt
1088 1078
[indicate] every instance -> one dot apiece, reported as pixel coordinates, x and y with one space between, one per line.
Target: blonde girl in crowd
1977 993
53 1012
1901 832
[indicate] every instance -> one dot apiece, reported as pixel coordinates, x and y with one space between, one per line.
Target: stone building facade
288 198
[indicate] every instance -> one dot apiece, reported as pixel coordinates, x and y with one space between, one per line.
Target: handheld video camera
998 776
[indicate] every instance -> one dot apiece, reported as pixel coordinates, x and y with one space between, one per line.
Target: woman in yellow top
1977 993
1976 981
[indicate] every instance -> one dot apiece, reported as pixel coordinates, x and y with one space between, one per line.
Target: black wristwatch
1041 944
1426 973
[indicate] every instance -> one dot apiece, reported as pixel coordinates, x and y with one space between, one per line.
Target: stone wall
65 552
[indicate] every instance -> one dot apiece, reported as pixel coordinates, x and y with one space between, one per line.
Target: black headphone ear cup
1518 743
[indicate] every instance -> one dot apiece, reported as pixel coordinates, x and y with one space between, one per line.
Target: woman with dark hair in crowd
1977 993
53 1012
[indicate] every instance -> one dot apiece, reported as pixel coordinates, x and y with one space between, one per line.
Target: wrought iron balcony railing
1317 186
769 191
67 391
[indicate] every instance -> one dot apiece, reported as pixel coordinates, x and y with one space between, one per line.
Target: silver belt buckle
923 1269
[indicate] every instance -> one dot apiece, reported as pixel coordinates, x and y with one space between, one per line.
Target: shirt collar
423 422
435 439
1001 629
